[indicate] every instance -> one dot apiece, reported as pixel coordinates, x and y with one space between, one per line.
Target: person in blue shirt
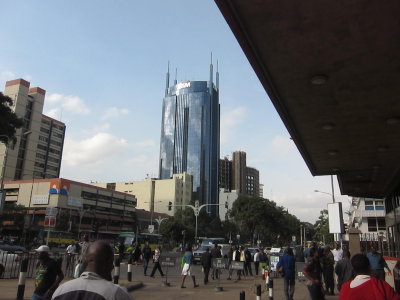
377 263
187 264
287 262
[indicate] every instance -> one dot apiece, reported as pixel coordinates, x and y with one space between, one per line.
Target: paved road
155 289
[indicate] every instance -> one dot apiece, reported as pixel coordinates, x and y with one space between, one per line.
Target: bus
130 239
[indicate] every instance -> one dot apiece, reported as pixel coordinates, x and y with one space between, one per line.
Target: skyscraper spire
167 81
217 77
176 76
211 72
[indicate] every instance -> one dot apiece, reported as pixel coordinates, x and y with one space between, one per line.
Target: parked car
10 248
199 252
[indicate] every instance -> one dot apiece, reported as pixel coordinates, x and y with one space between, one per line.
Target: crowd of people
361 276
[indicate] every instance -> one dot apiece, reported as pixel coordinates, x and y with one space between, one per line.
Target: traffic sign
150 228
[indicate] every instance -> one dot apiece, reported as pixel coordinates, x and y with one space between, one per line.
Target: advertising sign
75 201
237 265
49 221
273 261
40 199
335 215
220 263
168 261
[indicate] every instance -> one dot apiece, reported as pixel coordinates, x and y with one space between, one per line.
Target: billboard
335 215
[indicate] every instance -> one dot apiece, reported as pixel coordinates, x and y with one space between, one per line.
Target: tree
321 227
258 217
14 214
9 121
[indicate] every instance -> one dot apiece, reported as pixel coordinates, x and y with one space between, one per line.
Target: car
10 248
199 252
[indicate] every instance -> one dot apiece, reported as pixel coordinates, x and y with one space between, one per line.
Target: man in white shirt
337 252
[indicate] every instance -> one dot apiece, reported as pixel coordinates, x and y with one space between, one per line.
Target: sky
103 66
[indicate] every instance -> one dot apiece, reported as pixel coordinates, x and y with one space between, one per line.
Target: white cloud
229 120
8 75
114 112
145 143
282 145
54 113
73 104
93 151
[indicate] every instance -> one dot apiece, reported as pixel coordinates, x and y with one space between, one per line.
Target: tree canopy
9 121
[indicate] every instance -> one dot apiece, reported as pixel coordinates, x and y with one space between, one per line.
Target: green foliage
9 121
258 217
322 228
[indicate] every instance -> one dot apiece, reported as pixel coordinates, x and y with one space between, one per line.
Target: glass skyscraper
190 136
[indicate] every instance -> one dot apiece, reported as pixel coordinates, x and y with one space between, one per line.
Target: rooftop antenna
217 77
211 72
167 81
176 76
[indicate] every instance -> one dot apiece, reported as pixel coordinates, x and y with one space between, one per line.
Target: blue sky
103 64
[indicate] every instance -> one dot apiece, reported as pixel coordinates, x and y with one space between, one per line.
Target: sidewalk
156 290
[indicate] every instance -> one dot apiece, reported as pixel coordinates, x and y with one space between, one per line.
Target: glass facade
190 138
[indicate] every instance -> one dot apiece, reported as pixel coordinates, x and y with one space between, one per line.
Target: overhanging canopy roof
332 71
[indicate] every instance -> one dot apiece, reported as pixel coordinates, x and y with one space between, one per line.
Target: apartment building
37 152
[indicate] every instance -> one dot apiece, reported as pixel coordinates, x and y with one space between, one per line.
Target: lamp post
152 204
159 221
3 196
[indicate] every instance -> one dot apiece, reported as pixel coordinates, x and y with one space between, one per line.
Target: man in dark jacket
247 262
147 254
344 269
287 263
206 263
215 253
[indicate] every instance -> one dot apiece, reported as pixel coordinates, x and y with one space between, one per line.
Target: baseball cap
43 248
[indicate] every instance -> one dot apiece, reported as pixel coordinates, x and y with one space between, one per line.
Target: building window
369 205
379 205
376 224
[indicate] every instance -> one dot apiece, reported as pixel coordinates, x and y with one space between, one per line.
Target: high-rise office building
190 136
236 175
38 150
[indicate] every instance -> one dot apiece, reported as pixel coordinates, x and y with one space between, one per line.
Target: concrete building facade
368 215
154 195
37 152
79 207
236 175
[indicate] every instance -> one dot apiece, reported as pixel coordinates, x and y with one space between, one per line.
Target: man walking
344 269
95 282
287 262
48 275
256 260
215 253
157 265
206 263
146 257
188 258
247 262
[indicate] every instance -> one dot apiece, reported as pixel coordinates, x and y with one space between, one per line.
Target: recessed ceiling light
393 121
333 152
328 126
382 149
319 79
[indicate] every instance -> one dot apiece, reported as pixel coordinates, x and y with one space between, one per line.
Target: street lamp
159 221
3 196
152 204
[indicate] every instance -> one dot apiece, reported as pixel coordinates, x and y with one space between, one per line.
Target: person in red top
363 286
